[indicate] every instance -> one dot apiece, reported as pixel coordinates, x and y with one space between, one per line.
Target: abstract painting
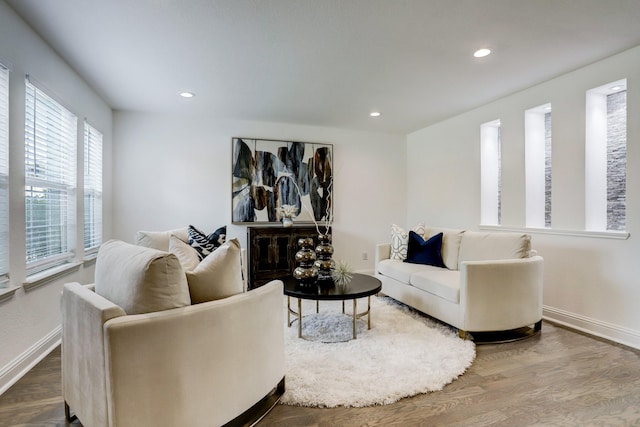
268 174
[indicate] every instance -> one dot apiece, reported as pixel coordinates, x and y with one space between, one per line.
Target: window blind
4 173
92 188
50 176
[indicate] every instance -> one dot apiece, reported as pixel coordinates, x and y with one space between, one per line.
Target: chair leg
462 334
252 416
67 412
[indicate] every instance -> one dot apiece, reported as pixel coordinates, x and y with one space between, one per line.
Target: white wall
30 321
171 171
590 283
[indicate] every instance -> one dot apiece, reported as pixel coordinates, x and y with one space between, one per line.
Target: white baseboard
608 331
18 367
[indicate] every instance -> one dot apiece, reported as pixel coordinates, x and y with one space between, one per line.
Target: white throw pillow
400 240
450 245
217 276
160 239
187 255
139 279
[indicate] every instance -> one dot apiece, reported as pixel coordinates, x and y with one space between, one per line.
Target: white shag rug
403 354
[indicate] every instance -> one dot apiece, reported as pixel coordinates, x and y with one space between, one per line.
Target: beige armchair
209 364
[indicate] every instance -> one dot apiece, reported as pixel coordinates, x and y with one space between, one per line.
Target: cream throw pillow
139 279
450 245
160 239
400 240
482 246
187 255
217 276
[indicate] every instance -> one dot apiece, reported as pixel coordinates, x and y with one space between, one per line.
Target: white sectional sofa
492 281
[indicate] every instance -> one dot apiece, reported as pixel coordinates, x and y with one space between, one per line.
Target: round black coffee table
360 286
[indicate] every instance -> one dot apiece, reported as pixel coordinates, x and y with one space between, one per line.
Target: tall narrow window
490 169
92 189
50 180
606 157
537 123
4 175
616 160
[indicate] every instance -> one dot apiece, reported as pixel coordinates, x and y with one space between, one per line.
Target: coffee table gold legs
298 315
355 314
299 318
355 318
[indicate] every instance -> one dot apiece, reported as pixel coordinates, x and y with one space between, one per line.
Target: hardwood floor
558 378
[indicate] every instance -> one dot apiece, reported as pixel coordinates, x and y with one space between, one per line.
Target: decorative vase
306 271
287 221
324 263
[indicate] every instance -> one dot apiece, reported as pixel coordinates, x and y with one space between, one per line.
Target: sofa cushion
400 240
187 255
217 276
438 281
450 245
421 251
160 239
398 269
485 246
206 244
140 279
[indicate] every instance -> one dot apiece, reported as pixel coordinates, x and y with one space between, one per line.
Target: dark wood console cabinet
272 250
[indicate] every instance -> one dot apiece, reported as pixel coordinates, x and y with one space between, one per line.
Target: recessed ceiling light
480 53
616 88
187 94
375 114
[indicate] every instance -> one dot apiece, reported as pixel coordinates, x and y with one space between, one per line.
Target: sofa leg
538 326
462 334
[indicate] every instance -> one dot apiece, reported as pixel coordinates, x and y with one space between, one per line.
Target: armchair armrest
235 344
383 251
500 294
83 363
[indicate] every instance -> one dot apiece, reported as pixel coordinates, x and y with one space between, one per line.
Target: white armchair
207 364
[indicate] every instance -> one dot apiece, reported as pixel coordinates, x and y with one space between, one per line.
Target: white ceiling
327 62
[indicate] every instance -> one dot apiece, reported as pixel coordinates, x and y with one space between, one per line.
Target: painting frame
268 173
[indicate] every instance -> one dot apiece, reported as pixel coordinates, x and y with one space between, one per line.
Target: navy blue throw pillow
206 244
426 252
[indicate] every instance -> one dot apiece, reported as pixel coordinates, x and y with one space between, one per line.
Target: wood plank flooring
558 378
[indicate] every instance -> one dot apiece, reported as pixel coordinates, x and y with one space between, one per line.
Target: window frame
538 149
490 173
4 175
51 134
596 154
92 194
